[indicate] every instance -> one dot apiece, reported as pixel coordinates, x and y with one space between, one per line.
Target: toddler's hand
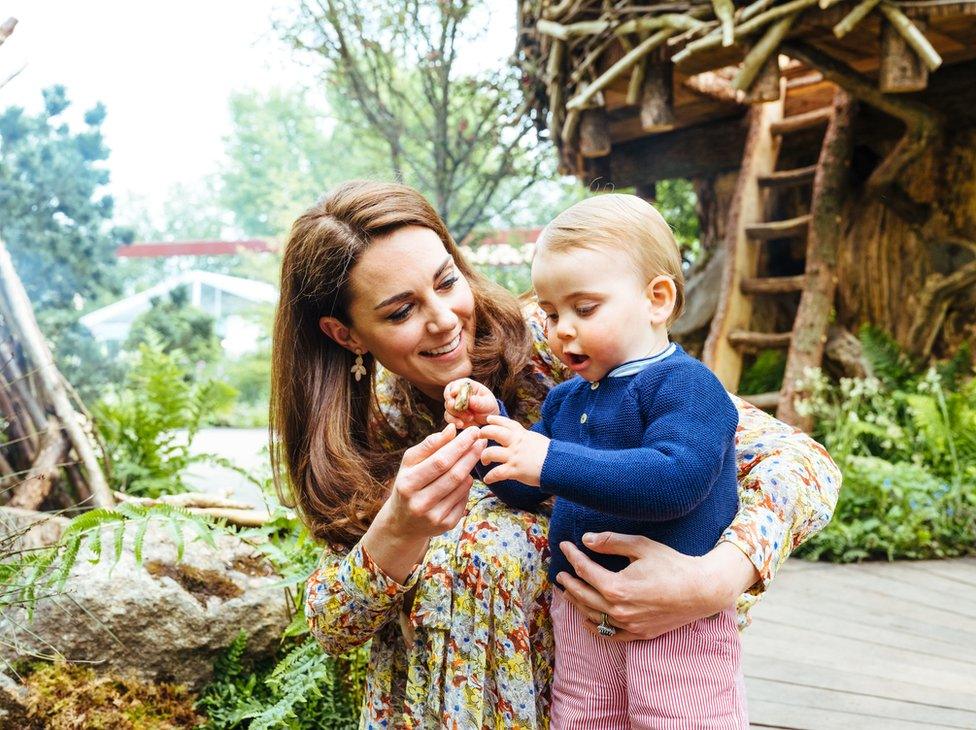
519 452
468 403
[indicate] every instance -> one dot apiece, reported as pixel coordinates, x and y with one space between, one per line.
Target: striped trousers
689 678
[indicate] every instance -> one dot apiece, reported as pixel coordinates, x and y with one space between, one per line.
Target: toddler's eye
586 310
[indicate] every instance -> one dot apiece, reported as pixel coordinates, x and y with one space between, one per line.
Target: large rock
161 620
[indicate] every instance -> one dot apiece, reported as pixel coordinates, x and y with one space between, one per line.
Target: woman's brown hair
322 421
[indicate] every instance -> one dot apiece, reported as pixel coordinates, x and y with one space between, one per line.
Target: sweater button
594 385
583 418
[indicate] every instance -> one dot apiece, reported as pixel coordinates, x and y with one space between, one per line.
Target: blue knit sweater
647 450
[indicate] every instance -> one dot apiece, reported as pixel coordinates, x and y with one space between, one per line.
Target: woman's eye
400 314
448 283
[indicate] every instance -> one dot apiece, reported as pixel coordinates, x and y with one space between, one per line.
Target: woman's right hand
429 497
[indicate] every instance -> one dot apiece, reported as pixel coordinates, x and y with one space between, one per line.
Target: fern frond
886 360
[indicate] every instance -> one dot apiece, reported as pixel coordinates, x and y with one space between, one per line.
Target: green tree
283 153
56 221
54 215
461 138
176 325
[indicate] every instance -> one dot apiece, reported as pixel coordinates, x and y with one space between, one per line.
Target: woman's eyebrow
406 295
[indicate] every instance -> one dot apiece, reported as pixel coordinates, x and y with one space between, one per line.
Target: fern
886 360
149 423
28 576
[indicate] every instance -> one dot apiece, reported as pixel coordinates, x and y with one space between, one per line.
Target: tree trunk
897 275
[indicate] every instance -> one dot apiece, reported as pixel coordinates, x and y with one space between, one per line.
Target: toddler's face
599 313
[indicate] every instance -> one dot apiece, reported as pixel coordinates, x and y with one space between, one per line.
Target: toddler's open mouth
576 360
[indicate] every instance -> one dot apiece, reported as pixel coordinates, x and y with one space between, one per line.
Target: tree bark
33 490
817 301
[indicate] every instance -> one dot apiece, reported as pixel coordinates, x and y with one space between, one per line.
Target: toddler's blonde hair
616 222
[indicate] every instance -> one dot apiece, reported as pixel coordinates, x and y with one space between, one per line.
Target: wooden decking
879 645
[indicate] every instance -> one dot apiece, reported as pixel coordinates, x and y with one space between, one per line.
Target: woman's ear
661 295
341 334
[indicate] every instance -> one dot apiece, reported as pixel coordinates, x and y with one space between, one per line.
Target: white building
228 299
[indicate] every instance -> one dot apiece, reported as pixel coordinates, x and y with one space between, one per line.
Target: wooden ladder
734 331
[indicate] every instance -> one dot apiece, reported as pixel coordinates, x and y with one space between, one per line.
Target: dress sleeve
348 599
788 487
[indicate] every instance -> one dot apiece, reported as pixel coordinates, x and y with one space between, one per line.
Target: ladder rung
773 284
766 401
779 229
754 341
806 80
799 122
786 178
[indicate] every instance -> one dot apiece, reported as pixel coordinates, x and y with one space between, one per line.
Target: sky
164 70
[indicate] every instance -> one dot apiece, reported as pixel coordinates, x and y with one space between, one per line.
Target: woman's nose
442 319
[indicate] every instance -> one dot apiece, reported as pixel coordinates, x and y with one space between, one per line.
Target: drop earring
358 370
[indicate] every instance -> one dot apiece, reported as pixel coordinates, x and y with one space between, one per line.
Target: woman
378 312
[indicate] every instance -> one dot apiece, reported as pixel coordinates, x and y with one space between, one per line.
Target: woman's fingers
417 453
596 575
590 603
442 459
615 543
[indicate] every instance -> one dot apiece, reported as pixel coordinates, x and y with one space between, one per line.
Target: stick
849 21
714 39
725 11
7 28
912 35
608 76
50 378
755 59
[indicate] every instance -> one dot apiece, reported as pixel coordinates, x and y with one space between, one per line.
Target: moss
199 582
14 715
64 696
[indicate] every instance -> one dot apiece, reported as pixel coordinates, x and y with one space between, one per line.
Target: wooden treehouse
832 145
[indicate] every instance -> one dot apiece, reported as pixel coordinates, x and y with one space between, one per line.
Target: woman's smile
450 349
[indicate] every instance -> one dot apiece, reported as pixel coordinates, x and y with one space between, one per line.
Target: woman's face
413 309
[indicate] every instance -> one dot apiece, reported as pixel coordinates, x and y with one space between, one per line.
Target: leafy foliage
301 687
177 325
56 221
149 423
906 445
459 137
765 374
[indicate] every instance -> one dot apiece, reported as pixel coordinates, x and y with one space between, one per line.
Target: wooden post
766 86
594 133
50 378
734 310
657 98
902 70
817 301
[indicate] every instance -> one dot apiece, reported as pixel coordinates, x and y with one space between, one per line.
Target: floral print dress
477 648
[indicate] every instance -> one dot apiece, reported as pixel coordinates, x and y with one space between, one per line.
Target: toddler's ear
661 295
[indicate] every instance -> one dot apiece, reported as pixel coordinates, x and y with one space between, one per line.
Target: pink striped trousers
687 678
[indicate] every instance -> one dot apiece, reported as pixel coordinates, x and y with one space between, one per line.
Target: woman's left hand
660 590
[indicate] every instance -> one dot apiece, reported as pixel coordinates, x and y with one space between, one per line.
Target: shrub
149 423
905 440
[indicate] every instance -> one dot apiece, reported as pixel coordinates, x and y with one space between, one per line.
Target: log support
594 133
657 98
817 301
902 70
